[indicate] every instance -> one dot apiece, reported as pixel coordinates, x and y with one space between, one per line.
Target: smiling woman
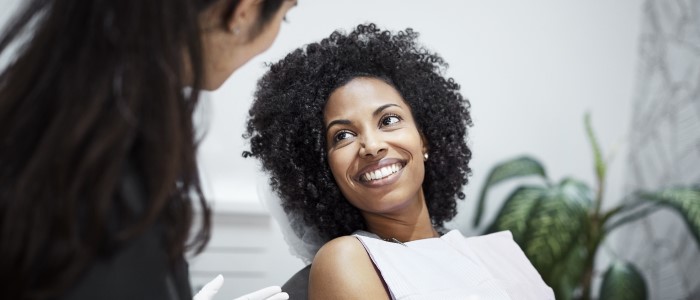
365 143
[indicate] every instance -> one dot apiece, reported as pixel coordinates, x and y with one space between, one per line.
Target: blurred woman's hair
93 94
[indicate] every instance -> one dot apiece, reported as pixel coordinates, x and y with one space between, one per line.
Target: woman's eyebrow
383 107
341 122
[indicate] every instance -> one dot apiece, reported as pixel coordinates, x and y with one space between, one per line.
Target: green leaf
630 212
518 167
566 275
622 281
685 200
557 224
597 155
547 222
516 212
577 192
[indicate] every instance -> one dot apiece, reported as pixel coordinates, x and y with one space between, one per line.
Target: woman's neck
409 224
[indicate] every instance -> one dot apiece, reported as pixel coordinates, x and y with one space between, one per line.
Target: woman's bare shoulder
343 253
342 269
341 246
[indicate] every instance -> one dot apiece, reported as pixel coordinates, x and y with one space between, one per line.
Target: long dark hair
95 91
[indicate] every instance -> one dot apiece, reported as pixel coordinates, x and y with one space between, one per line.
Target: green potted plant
560 226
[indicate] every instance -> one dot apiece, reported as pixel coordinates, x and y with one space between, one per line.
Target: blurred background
531 70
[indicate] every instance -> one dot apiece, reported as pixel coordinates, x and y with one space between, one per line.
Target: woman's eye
389 120
340 136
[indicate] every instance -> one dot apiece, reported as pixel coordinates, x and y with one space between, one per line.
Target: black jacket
137 269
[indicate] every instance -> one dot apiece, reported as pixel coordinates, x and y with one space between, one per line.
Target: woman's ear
243 17
424 143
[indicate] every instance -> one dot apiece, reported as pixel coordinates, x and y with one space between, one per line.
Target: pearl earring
425 156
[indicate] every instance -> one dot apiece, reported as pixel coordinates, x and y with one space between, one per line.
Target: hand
212 287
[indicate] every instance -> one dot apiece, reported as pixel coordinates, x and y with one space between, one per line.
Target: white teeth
381 173
386 171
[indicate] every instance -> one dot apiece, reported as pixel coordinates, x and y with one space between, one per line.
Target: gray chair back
297 286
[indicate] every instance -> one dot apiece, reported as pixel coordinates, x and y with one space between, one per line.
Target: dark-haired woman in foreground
365 139
98 172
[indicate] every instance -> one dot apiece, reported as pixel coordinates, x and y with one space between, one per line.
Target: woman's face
227 50
375 151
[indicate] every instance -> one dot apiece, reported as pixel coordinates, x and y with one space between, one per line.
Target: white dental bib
454 267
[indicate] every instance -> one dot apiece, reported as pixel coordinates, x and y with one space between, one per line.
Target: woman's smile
381 173
386 172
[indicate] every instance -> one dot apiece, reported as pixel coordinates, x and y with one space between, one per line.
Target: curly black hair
287 134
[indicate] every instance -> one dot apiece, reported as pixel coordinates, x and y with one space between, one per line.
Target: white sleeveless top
454 267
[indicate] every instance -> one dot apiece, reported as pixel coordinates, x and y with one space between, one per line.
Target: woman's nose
371 145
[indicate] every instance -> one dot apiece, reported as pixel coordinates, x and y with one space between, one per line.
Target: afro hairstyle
287 134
